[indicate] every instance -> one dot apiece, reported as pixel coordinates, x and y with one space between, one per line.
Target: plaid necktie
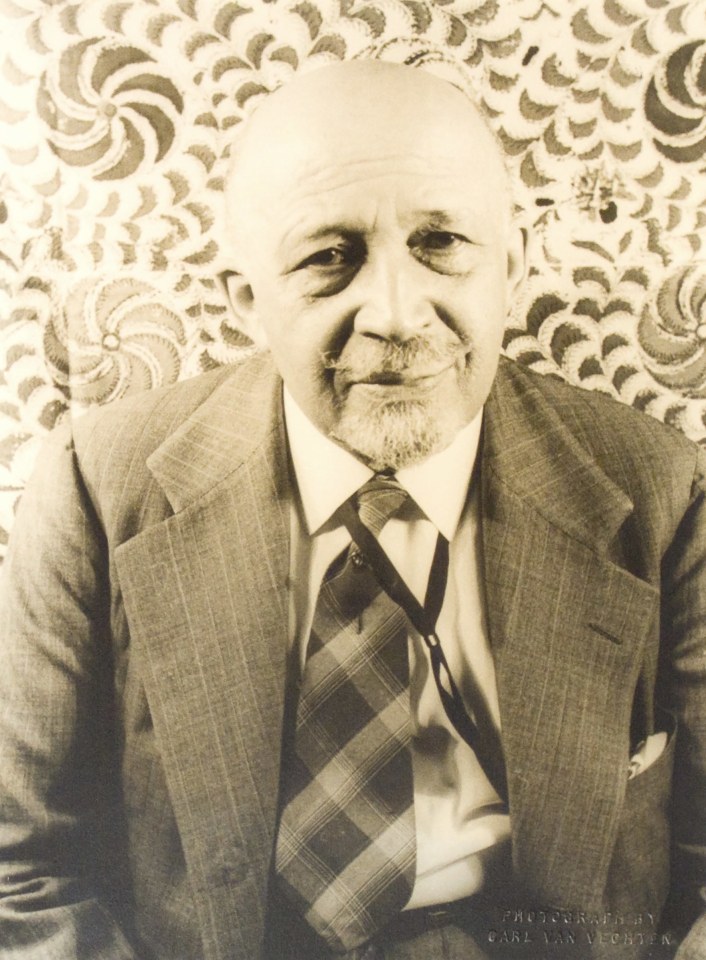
346 847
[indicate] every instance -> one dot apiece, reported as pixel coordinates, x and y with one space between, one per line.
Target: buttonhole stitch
604 633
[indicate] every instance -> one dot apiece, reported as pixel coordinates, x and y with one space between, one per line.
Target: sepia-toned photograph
352 480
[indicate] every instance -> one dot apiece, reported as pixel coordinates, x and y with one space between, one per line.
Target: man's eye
441 240
443 251
330 257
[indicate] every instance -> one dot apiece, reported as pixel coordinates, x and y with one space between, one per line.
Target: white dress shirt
461 824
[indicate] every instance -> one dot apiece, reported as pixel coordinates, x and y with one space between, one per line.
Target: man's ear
241 302
517 259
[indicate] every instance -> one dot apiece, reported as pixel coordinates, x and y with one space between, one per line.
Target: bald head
354 112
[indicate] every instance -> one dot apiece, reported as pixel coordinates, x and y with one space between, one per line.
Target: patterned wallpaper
115 120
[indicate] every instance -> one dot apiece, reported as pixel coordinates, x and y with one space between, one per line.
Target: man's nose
394 299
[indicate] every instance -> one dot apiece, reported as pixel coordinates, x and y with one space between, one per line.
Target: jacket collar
530 448
526 446
240 418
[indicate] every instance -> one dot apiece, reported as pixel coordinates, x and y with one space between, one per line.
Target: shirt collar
327 474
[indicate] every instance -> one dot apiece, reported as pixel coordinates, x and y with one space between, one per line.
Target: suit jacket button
232 872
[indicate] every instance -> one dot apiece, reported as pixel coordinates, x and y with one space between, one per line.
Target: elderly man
369 646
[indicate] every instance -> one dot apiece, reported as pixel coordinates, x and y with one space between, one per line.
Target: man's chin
392 434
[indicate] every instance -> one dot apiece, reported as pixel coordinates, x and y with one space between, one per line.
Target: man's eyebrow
435 219
301 234
440 219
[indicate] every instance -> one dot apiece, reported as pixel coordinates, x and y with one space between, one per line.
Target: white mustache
367 359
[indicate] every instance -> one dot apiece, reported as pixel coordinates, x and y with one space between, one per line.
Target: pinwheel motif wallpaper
115 123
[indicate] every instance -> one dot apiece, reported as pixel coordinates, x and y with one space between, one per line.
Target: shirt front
462 827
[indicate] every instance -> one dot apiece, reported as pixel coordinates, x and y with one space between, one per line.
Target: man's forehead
333 169
371 197
370 213
331 178
341 122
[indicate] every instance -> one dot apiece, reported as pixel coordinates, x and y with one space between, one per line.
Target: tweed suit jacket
144 667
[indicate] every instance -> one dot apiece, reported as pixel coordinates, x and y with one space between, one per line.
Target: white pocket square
648 751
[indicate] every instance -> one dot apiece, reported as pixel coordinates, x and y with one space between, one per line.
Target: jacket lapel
206 597
567 626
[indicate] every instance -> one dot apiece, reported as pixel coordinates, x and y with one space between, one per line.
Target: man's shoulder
593 417
145 420
649 460
113 445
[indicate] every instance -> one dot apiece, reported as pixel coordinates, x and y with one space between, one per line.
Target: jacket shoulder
148 415
112 444
658 468
597 420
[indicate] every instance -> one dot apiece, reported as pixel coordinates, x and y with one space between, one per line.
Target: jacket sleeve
684 672
57 741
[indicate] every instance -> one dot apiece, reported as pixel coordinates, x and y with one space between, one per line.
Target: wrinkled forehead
358 120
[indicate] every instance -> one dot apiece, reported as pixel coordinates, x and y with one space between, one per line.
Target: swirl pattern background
115 120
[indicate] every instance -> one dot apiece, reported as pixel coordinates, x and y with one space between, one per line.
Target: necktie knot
378 501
